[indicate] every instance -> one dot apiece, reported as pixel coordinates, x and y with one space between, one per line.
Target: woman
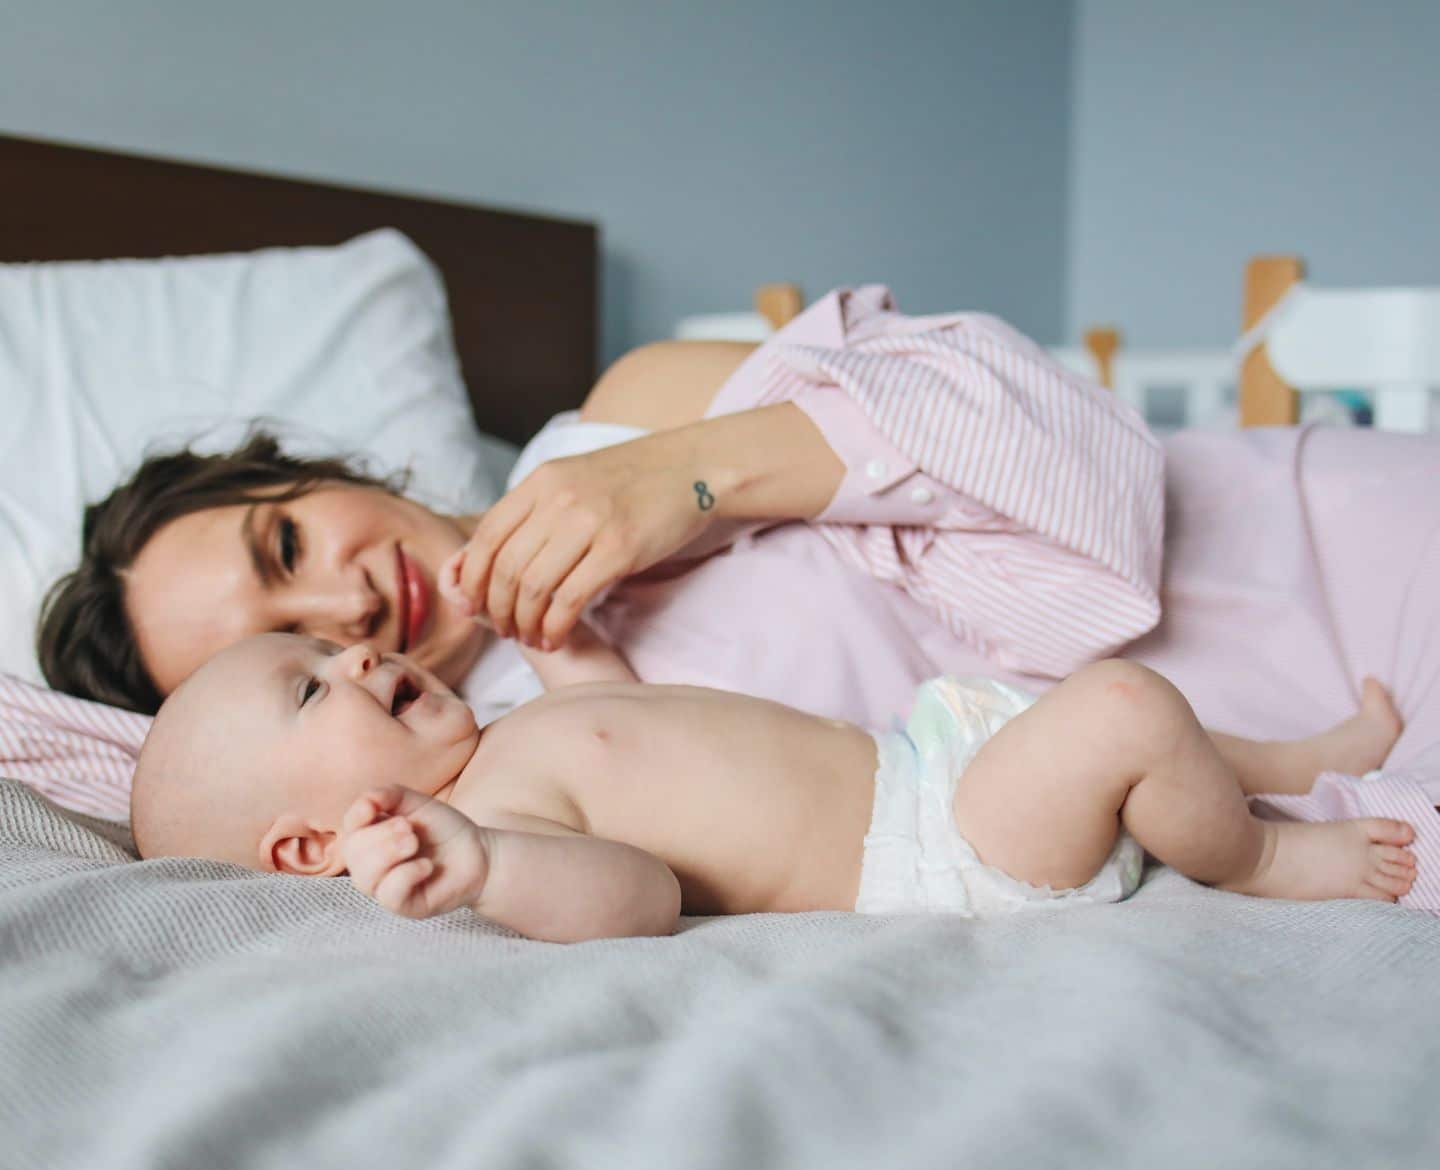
864 501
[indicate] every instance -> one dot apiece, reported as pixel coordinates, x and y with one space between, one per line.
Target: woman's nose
342 611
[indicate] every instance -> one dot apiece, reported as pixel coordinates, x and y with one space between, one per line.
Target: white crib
1308 354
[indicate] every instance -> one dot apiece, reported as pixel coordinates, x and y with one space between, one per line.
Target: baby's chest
495 799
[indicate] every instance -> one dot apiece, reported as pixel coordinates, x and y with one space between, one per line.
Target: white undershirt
499 681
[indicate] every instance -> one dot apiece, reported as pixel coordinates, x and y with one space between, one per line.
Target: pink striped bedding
79 754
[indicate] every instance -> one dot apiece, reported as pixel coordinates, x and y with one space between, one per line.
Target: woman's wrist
769 463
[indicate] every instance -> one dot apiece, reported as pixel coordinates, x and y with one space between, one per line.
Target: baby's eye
311 686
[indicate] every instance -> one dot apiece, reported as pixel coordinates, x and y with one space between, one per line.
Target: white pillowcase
343 349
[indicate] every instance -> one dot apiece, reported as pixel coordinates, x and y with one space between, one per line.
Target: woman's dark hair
85 642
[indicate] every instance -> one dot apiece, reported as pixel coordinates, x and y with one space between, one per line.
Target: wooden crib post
779 303
1266 399
1102 342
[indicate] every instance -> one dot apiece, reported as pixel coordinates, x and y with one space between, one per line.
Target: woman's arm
770 463
575 526
664 384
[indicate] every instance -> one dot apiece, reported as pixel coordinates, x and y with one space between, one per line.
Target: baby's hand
413 854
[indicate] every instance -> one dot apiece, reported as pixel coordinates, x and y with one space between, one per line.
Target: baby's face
337 722
302 727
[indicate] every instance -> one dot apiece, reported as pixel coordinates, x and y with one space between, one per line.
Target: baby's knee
1138 706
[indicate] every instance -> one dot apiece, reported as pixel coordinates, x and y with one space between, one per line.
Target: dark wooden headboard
522 288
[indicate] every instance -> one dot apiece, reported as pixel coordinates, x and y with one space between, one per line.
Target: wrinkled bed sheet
180 1013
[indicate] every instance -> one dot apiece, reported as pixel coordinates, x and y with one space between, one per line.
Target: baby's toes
1384 831
1396 870
1395 886
1393 858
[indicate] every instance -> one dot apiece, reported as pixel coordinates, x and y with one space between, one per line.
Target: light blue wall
1203 133
719 145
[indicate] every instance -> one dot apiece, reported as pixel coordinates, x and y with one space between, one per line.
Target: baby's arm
585 657
418 856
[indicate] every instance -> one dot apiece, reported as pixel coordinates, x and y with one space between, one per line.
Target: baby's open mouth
406 694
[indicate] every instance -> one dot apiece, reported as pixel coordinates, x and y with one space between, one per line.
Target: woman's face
343 563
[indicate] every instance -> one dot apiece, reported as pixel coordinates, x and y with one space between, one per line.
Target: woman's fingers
536 589
491 534
506 571
595 571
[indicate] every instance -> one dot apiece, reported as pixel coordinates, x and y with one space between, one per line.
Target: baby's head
257 755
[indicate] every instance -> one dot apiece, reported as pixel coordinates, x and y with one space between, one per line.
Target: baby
605 808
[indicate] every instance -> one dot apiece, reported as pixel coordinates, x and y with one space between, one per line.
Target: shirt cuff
882 484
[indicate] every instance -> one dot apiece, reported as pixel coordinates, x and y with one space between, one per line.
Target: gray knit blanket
186 1014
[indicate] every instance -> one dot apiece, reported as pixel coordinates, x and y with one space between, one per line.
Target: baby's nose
358 660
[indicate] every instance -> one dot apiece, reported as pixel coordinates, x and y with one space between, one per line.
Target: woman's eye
311 686
289 544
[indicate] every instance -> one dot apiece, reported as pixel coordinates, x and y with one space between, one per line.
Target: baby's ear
294 845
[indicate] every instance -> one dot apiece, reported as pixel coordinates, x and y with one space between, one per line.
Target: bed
184 1013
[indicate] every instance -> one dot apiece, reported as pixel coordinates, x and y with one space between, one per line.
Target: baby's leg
1044 799
1354 747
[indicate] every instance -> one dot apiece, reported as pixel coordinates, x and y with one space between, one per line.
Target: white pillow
349 348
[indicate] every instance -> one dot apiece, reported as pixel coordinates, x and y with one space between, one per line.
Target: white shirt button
921 495
876 468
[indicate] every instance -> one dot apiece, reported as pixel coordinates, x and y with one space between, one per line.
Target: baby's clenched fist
413 854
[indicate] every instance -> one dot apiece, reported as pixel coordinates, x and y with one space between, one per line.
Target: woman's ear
294 845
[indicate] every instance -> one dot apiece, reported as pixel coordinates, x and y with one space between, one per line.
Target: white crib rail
1201 380
1202 383
1196 385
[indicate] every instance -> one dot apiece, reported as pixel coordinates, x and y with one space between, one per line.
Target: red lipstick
413 599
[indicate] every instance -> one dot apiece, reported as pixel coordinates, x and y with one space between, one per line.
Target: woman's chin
451 665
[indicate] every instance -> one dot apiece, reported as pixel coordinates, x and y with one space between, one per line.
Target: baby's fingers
374 851
400 890
364 811
447 580
395 800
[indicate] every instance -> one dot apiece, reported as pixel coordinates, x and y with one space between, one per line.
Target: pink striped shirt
998 515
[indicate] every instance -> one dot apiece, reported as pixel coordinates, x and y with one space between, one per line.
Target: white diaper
915 857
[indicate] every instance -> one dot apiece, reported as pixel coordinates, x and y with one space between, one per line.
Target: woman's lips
414 602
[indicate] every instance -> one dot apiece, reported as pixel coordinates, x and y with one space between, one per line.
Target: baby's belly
754 806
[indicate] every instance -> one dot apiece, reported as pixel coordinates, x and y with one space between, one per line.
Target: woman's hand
572 528
413 854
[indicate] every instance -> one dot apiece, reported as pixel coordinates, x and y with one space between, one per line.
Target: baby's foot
1362 742
1363 858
